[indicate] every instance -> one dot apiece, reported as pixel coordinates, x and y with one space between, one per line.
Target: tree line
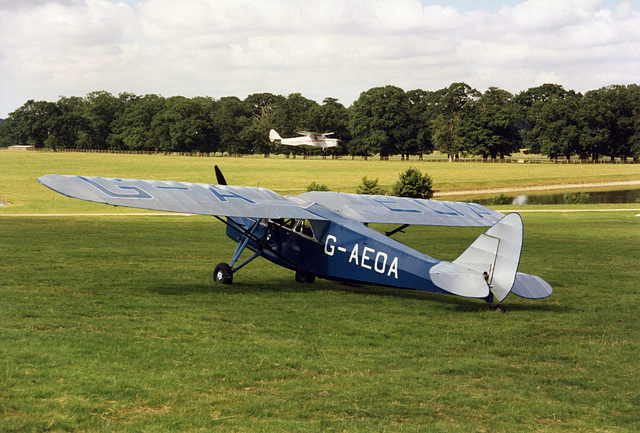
457 121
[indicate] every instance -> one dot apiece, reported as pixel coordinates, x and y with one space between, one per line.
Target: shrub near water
498 200
576 198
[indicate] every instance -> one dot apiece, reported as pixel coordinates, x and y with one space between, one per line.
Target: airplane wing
194 198
399 210
315 135
311 135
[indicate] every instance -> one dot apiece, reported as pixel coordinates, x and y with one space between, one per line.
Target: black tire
223 274
304 277
499 308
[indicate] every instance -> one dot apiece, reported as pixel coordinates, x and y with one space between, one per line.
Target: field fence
520 159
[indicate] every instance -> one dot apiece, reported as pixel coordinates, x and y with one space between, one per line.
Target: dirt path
538 188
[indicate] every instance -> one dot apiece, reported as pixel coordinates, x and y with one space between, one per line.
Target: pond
595 197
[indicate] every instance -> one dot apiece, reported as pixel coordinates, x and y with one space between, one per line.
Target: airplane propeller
220 178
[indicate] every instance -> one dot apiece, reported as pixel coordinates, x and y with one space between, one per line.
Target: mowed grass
113 323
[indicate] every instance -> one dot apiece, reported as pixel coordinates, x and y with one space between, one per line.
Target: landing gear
305 277
493 307
258 232
499 308
223 274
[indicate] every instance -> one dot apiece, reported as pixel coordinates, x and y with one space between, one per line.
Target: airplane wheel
223 274
499 308
304 277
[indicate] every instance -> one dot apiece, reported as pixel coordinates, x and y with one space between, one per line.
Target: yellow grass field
19 172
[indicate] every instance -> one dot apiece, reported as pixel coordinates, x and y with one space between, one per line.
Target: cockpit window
302 227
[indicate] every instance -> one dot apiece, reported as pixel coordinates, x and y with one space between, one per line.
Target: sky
319 48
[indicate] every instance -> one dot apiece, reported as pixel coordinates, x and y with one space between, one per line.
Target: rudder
274 136
496 252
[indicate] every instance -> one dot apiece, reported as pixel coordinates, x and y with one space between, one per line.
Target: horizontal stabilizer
531 287
459 280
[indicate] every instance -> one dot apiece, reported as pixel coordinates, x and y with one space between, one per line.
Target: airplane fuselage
308 142
340 249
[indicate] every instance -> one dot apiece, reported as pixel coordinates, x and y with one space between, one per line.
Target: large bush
412 183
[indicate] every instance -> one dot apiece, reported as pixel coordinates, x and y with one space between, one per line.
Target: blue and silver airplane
325 234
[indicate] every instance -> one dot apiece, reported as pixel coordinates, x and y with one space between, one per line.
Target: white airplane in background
310 140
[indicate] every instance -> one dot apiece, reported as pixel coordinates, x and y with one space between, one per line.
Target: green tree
47 124
264 107
101 109
421 103
259 102
66 122
292 114
380 121
31 123
531 103
184 126
610 119
132 129
412 183
231 118
542 94
449 108
5 133
489 128
257 131
558 128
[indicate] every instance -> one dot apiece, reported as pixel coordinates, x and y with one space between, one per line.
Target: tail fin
274 136
491 260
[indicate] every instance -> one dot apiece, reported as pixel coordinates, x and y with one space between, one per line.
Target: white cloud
319 48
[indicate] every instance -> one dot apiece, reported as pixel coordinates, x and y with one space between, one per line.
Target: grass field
19 170
112 323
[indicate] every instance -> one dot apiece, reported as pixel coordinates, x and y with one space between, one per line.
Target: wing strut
396 230
241 246
249 236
